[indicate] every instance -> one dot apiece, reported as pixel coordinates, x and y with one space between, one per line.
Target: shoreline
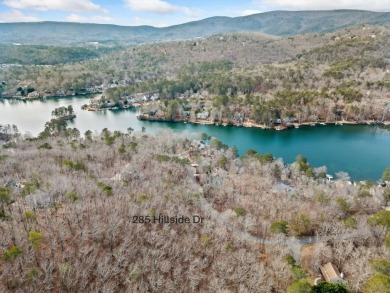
25 98
250 124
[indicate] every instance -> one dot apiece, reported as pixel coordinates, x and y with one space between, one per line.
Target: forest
68 202
340 76
50 55
78 210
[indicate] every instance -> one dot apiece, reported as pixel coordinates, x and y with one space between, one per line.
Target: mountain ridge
276 23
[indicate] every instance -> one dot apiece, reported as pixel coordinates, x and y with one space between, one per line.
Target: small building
202 115
278 121
329 177
33 94
199 144
283 188
195 171
331 273
60 92
154 98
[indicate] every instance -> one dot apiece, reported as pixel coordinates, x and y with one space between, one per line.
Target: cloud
153 6
16 16
377 5
162 7
66 5
249 12
192 12
90 19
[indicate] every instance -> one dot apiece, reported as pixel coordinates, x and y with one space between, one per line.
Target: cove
361 150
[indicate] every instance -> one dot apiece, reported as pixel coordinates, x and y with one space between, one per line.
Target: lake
361 150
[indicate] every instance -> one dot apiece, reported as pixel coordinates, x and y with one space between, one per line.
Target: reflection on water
362 151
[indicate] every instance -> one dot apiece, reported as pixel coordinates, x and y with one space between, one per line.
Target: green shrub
29 216
135 274
31 186
5 196
343 205
240 212
205 240
45 146
180 161
10 145
386 174
265 158
364 193
107 190
325 287
3 157
301 224
290 260
65 270
163 158
377 284
298 273
35 238
381 266
222 162
279 227
12 253
72 196
350 223
143 198
122 149
387 241
133 146
300 286
33 274
386 195
228 246
251 152
322 198
78 166
217 144
381 218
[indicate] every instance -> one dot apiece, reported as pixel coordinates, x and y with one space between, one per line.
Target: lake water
362 151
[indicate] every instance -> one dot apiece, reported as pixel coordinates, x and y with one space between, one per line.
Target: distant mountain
278 23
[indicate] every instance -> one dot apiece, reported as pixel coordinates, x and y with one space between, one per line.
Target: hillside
166 212
307 78
278 23
81 214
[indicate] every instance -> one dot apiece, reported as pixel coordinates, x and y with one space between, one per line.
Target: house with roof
33 94
154 97
202 115
283 188
331 273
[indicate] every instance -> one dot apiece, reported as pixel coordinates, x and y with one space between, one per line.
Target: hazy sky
162 13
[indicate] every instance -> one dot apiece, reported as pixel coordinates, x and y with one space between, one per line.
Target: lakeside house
198 144
33 95
202 115
331 273
283 188
60 92
154 97
329 177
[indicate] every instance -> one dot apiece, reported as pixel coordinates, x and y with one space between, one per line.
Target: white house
202 115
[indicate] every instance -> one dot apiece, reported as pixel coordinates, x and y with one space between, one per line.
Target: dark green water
362 151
